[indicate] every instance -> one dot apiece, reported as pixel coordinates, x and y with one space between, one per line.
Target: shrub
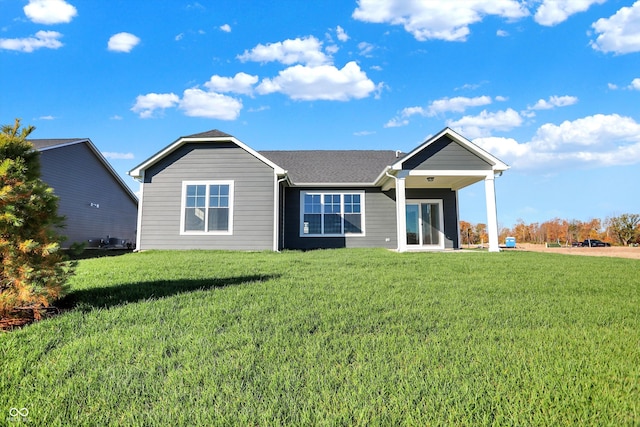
33 270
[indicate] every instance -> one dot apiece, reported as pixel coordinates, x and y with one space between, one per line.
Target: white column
401 213
492 212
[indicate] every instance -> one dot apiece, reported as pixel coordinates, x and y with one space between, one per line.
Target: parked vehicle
593 243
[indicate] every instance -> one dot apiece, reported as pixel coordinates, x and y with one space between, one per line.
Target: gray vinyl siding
79 178
253 198
445 154
380 222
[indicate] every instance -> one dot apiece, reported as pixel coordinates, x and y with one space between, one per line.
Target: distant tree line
618 230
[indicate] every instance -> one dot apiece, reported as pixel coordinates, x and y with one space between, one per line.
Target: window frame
183 206
322 213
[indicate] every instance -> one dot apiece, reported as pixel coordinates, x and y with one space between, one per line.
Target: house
95 201
211 191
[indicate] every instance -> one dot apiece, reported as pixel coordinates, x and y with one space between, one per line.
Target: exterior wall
253 198
449 208
380 222
445 154
79 179
380 219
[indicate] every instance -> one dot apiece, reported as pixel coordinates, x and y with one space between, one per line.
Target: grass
340 337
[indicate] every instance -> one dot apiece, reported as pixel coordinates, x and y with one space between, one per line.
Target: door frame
440 226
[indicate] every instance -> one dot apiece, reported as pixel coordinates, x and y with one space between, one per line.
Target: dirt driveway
614 251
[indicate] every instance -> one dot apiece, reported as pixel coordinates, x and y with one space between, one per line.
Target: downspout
398 231
276 212
139 222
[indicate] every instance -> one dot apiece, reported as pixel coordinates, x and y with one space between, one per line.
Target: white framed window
334 213
207 207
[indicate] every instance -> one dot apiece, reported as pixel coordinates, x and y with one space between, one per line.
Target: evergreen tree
33 270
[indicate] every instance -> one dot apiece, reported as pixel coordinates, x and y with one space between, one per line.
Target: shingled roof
215 133
332 166
40 144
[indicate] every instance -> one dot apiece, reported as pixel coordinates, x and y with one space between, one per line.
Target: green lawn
336 337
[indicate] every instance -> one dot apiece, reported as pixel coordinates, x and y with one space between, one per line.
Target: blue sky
552 88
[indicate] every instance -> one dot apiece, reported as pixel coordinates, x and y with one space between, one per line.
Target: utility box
510 242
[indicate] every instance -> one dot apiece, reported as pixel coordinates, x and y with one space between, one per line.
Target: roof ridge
213 133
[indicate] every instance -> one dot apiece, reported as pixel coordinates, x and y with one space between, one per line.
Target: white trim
207 183
454 172
342 193
458 221
136 172
139 220
335 184
441 238
401 213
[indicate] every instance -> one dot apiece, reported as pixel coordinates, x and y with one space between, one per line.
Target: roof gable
53 144
438 151
211 136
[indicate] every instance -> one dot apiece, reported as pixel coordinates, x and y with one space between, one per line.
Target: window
332 214
207 207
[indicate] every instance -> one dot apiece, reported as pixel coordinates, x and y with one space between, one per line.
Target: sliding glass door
424 224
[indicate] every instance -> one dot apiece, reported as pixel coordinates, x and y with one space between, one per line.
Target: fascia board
335 184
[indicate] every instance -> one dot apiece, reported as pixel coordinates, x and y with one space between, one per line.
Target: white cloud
146 105
226 28
484 123
635 84
42 39
589 131
503 148
553 102
179 37
117 156
443 20
241 83
47 117
456 104
50 11
198 103
122 42
552 12
502 33
598 141
324 82
195 103
396 123
341 34
619 33
306 51
365 49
